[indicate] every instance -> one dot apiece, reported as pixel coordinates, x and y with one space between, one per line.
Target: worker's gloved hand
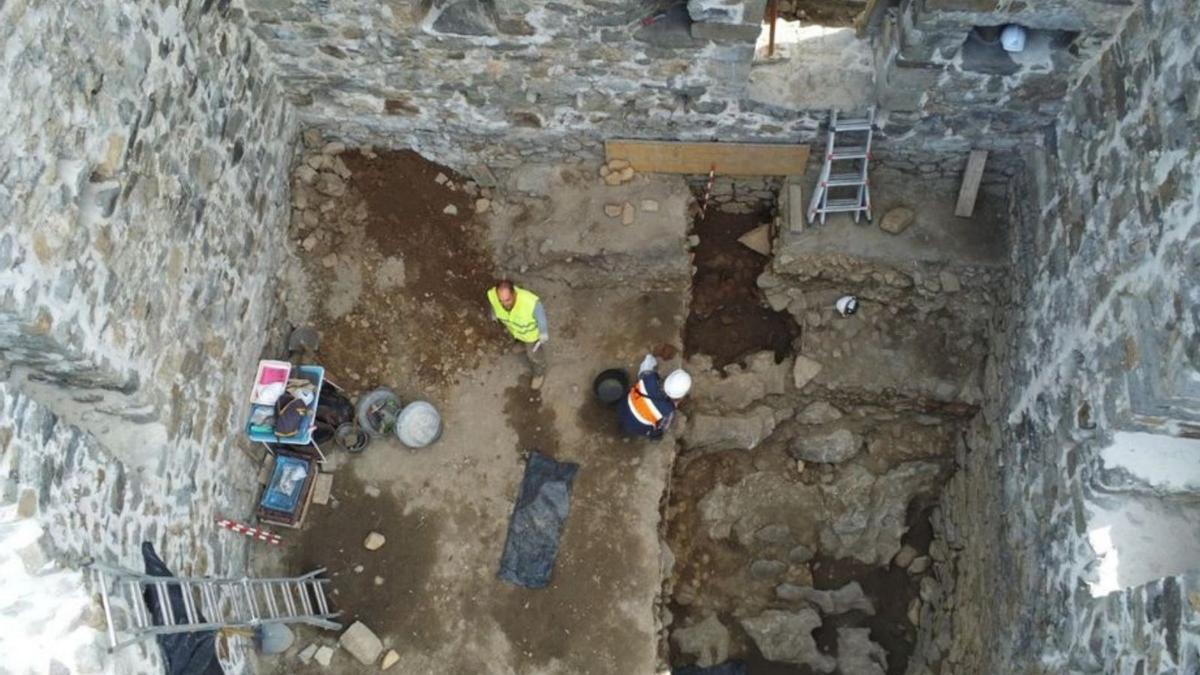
542 339
648 363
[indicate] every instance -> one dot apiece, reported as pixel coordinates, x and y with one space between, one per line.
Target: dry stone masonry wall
1100 325
144 196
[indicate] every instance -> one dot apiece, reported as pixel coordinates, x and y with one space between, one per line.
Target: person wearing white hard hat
650 406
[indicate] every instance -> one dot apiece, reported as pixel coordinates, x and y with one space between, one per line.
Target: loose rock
757 240
482 205
804 370
858 655
374 541
450 210
362 643
324 656
306 655
897 220
389 659
837 446
649 205
612 210
707 640
334 148
767 569
627 214
787 637
331 185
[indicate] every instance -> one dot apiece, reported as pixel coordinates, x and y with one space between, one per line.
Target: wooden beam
970 184
731 159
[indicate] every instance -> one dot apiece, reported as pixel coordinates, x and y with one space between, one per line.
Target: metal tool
138 606
849 146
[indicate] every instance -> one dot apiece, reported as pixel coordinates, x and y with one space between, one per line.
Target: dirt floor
431 592
729 318
378 323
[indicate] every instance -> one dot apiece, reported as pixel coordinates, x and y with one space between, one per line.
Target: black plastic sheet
537 520
186 653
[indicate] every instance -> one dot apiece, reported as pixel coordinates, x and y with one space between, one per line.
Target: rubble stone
362 643
707 640
374 541
804 370
831 448
897 220
786 637
858 655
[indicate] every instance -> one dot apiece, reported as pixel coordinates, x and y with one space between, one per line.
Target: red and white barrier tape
252 532
708 187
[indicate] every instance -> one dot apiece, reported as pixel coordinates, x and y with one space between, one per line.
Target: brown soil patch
420 317
729 318
400 608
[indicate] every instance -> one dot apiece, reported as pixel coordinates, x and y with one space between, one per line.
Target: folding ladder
847 156
141 605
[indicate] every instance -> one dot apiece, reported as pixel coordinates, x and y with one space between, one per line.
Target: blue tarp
537 520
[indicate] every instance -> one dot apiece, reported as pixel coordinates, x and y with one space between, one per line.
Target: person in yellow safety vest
522 313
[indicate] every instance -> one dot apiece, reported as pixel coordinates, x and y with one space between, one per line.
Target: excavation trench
743 542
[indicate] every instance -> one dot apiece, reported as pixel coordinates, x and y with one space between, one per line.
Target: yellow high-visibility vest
520 322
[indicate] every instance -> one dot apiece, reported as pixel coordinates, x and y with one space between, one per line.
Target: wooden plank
795 204
970 184
731 159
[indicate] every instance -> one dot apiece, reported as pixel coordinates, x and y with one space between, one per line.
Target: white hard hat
1012 38
847 305
678 384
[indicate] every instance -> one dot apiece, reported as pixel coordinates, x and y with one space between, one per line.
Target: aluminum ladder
847 156
140 605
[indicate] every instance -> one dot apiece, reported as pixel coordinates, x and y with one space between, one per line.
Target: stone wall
1106 222
522 80
470 82
145 202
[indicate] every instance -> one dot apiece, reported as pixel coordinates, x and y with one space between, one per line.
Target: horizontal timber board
730 159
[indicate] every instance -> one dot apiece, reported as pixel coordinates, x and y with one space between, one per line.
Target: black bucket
611 386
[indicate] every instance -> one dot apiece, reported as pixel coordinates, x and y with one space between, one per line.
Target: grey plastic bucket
419 424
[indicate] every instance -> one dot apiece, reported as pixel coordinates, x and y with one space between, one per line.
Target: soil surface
400 249
729 318
384 588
